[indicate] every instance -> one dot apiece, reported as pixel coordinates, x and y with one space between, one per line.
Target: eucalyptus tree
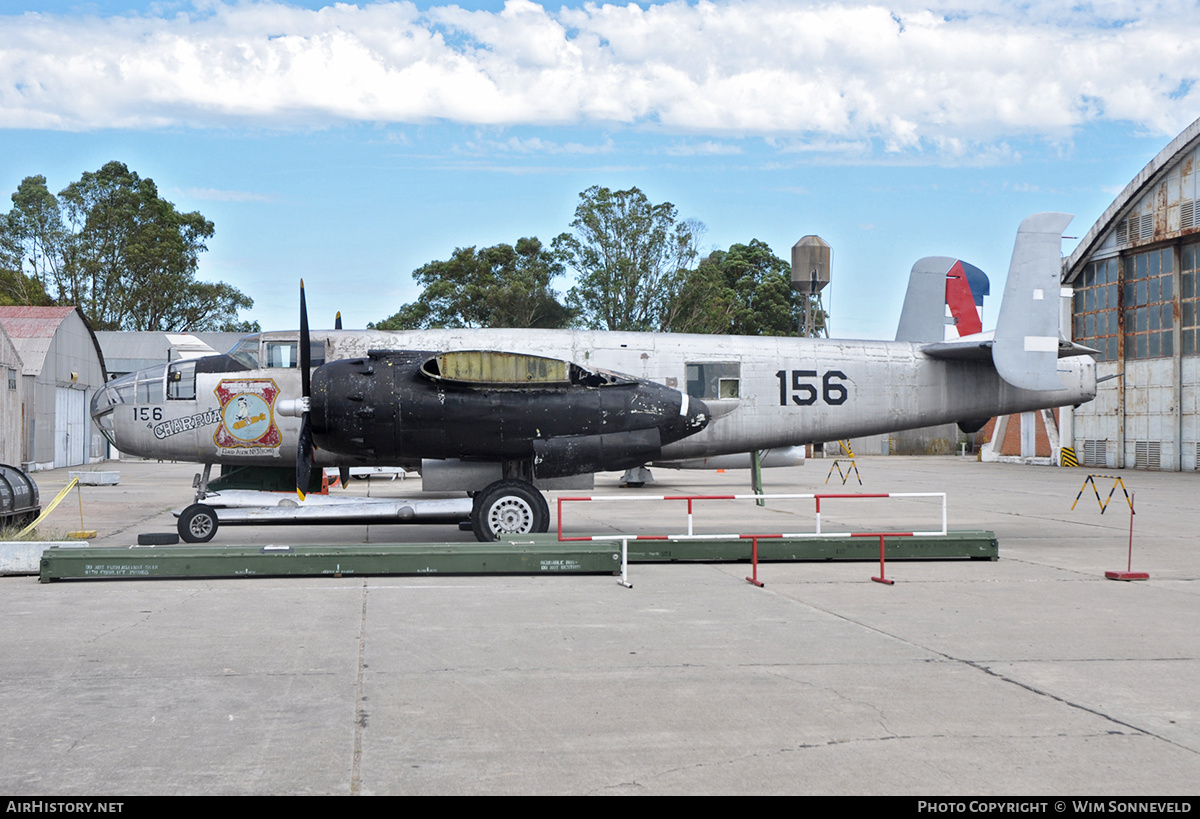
631 257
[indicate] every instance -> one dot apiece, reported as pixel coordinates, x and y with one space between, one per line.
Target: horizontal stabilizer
979 348
972 348
1025 347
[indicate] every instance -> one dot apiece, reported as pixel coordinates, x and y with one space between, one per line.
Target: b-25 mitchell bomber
500 413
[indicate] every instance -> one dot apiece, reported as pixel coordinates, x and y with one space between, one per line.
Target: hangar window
1189 299
12 378
714 379
1149 303
1096 308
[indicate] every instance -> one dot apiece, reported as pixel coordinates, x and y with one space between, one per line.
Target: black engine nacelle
576 454
392 407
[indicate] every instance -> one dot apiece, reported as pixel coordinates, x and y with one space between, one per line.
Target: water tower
810 273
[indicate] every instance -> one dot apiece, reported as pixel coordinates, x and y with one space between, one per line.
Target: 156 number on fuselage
804 394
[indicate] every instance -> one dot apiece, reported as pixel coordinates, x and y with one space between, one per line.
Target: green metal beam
333 561
534 554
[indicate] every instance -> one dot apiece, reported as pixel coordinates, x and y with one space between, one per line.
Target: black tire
198 523
158 539
509 508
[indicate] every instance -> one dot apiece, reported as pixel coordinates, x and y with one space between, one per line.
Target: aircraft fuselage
764 392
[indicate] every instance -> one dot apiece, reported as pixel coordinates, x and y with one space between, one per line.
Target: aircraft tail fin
1025 347
922 318
935 283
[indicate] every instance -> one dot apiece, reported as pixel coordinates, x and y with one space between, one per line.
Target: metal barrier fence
691 499
754 537
1117 481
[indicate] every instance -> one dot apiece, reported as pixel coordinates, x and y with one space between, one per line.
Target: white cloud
954 78
706 148
536 145
218 195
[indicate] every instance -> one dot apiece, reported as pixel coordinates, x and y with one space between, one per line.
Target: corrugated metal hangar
1135 299
61 366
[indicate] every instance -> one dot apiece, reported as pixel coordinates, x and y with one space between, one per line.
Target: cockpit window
150 385
141 387
181 380
246 351
599 377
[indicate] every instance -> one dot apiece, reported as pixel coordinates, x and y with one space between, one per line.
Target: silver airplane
502 413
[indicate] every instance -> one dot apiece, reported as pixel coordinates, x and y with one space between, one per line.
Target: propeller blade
337 321
305 344
304 447
304 463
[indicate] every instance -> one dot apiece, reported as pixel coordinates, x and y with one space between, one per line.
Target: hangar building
1135 299
61 366
12 401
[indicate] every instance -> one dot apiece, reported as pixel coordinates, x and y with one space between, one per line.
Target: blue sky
349 144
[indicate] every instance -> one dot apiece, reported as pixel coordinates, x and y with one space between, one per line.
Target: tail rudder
935 283
1026 345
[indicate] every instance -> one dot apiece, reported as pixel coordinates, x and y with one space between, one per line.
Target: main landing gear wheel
198 523
509 508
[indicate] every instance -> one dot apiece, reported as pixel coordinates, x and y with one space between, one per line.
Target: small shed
61 367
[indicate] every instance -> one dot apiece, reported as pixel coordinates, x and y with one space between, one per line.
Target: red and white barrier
754 537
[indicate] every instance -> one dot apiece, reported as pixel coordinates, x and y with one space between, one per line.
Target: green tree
134 258
745 290
500 286
630 256
110 244
205 305
31 239
18 289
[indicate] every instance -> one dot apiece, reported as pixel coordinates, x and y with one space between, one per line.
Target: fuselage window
714 379
282 354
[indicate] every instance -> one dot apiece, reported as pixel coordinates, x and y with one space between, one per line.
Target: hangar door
70 427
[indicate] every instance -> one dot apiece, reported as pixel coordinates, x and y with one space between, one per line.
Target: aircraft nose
695 414
105 402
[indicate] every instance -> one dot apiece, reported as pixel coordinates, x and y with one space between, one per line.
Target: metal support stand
1129 573
756 481
754 564
882 578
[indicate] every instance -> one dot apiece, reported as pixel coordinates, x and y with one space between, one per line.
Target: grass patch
12 534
